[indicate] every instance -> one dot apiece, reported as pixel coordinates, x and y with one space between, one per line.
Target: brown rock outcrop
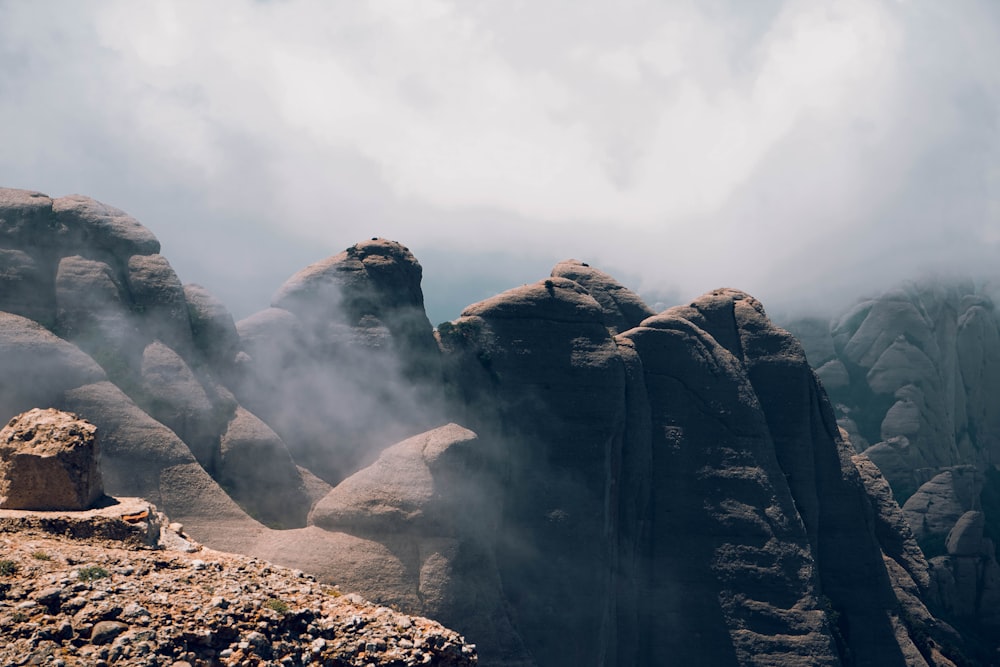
49 460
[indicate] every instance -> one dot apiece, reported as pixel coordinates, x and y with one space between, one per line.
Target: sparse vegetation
91 573
41 555
274 604
8 568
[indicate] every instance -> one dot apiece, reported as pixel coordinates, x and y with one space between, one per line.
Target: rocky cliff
561 474
914 374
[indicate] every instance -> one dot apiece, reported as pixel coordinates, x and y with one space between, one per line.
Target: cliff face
610 486
914 374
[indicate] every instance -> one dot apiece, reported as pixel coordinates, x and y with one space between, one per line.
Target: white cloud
735 141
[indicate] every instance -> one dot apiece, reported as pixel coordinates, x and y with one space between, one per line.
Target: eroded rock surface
920 373
49 460
353 320
634 486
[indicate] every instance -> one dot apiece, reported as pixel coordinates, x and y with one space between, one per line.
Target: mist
802 152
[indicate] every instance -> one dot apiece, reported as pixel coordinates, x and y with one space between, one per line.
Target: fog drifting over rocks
805 152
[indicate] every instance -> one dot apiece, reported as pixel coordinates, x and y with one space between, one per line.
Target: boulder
428 484
902 419
833 374
900 364
900 464
49 460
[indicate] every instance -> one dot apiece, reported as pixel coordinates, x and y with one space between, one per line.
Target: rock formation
576 479
49 460
355 319
913 374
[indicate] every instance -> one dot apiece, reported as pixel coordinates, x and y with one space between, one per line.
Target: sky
807 152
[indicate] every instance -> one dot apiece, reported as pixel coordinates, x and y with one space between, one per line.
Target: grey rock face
25 216
157 294
921 363
730 575
708 424
212 327
424 484
173 396
623 309
92 275
21 280
346 342
255 468
891 528
938 504
103 226
371 283
49 460
92 310
923 371
553 388
966 537
807 460
45 364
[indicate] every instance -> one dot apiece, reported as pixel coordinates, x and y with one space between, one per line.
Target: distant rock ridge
914 374
576 479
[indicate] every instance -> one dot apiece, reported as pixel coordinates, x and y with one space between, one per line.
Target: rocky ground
97 602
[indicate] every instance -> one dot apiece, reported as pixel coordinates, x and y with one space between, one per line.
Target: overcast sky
801 150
